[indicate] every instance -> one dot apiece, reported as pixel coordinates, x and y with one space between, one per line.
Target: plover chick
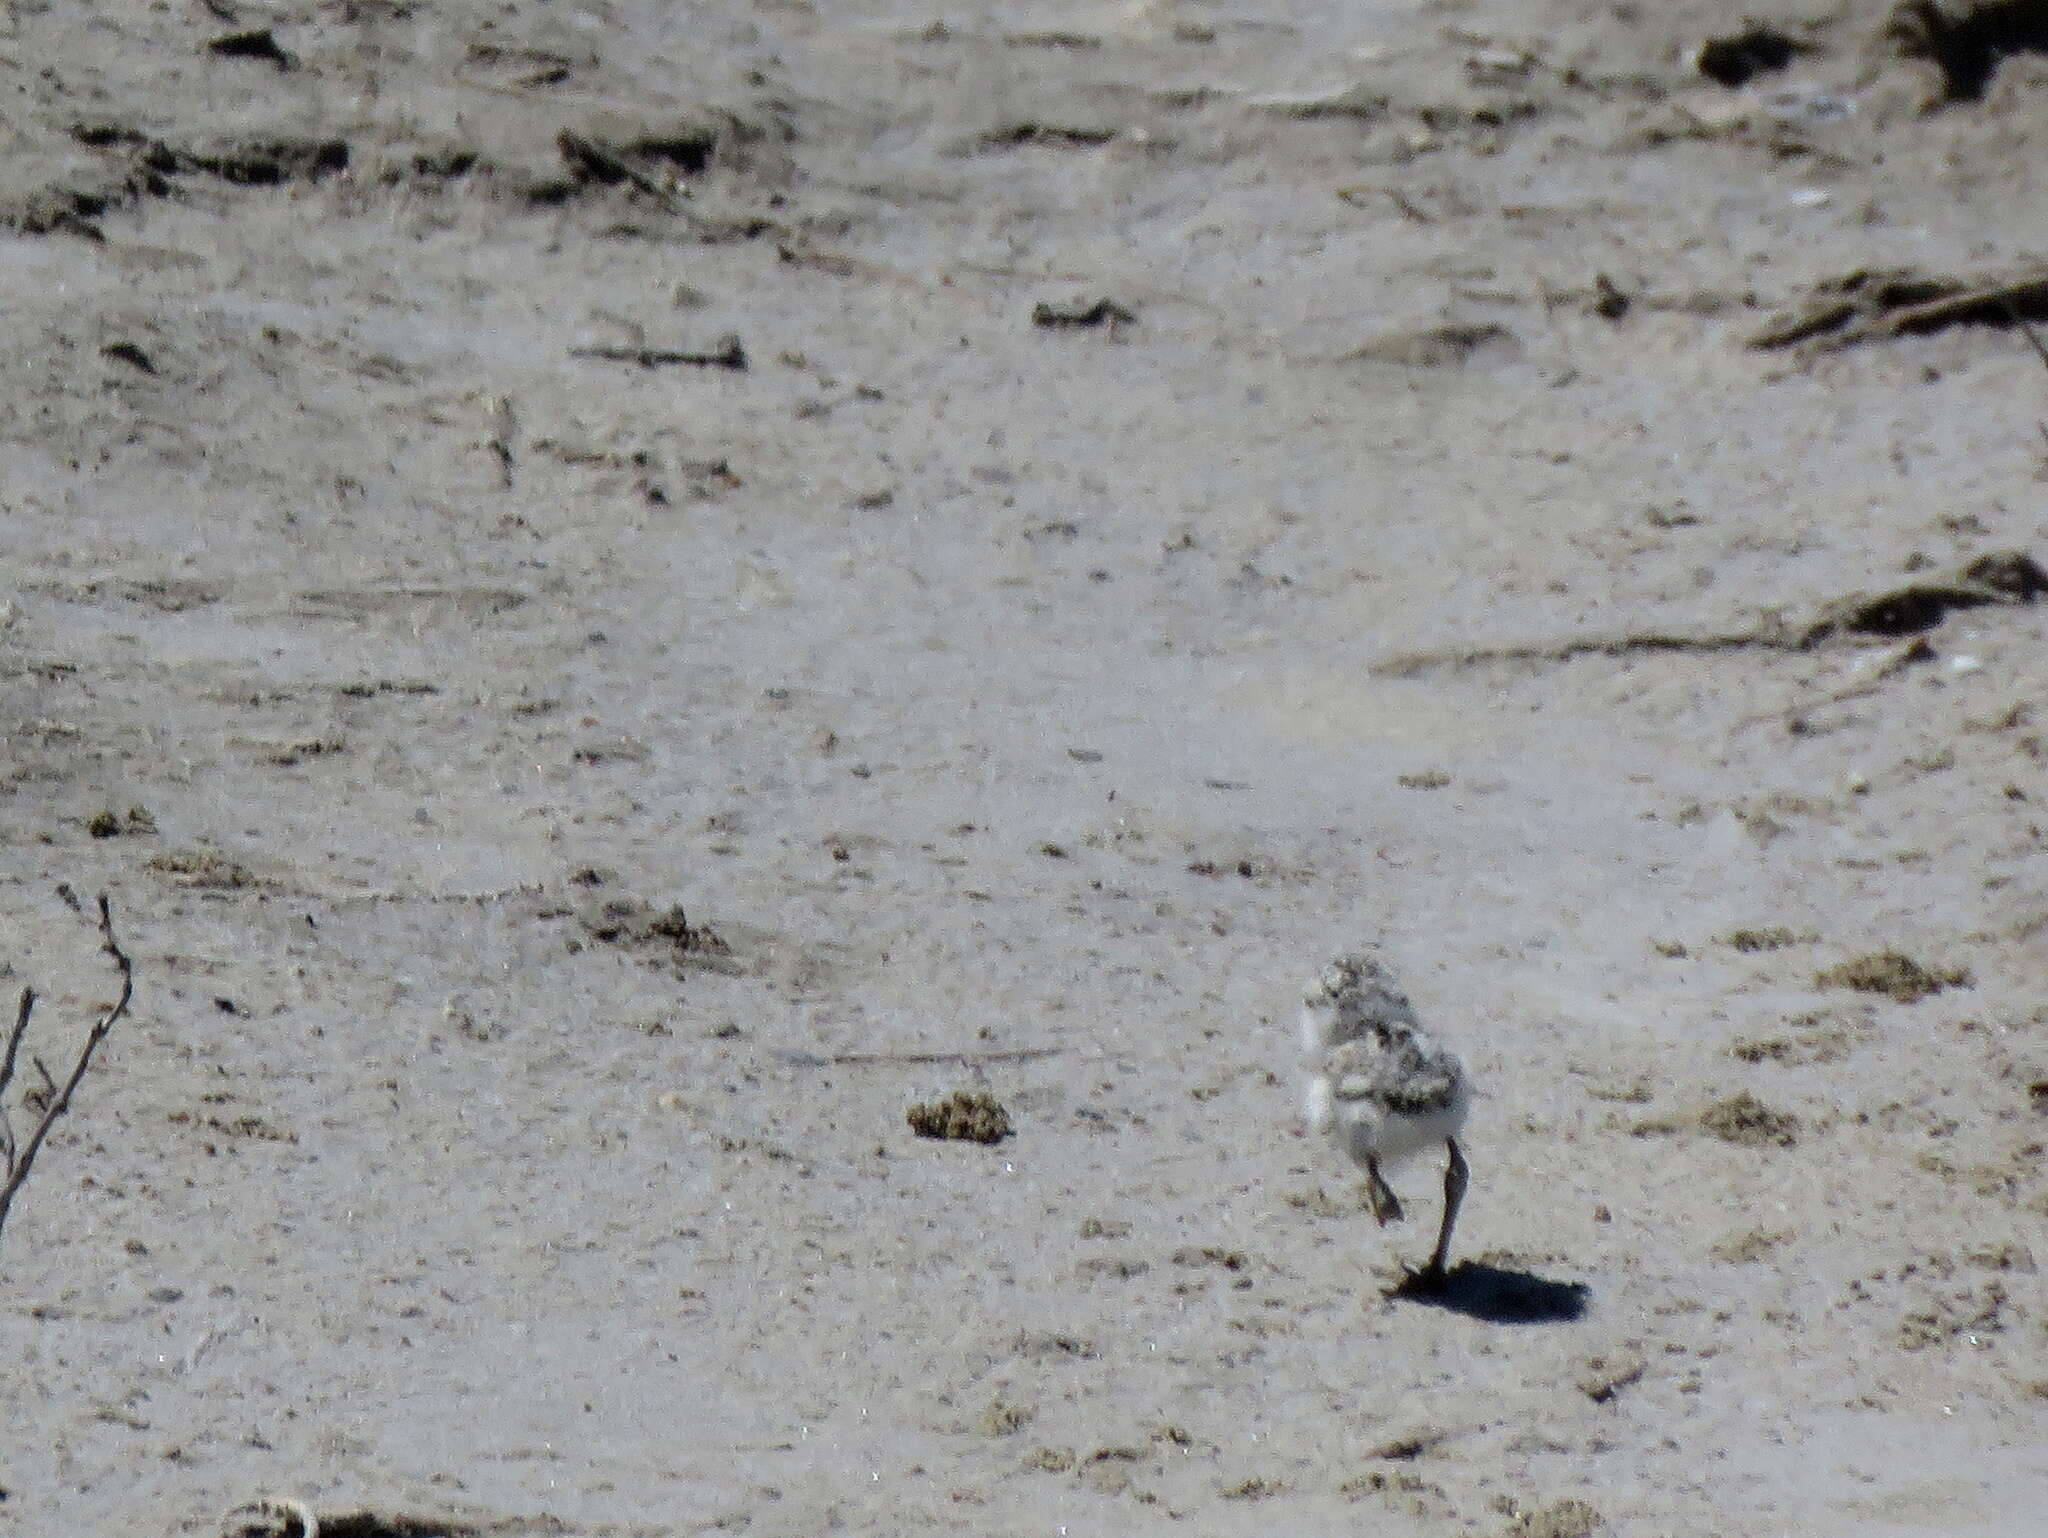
1380 1086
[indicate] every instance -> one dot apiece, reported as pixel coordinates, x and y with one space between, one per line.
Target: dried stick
18 1167
28 1004
890 1059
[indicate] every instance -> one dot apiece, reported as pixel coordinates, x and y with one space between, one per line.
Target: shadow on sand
1497 1296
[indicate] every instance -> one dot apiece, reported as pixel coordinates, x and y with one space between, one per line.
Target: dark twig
17 1168
593 161
21 1014
915 1059
727 352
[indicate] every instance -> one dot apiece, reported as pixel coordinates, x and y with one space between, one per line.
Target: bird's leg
1386 1206
1455 1175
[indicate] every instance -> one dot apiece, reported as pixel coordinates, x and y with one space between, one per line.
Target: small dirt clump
1772 938
1747 1120
1897 976
967 1116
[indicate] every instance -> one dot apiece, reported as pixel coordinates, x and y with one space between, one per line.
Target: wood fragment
728 353
1912 608
1873 304
915 1059
20 1161
592 161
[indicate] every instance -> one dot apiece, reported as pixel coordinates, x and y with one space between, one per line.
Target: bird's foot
1386 1206
1422 1282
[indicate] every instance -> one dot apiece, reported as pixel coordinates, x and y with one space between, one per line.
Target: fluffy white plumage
1380 1086
1348 999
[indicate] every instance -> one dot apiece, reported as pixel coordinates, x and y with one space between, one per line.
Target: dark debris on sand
967 1116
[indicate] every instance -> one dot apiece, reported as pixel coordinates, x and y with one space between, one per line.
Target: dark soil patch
1746 1120
1897 976
966 1116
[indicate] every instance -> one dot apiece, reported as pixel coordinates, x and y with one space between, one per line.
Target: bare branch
885 1059
14 1038
18 1169
21 1014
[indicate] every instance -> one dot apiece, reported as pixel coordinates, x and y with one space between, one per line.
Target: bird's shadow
1496 1295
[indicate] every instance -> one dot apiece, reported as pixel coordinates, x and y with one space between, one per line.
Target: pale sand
1031 692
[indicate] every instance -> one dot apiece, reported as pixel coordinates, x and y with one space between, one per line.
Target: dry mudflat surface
620 593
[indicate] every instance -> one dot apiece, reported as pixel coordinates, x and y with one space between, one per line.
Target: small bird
1381 1087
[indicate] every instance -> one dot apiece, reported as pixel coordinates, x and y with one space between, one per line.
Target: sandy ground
415 596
